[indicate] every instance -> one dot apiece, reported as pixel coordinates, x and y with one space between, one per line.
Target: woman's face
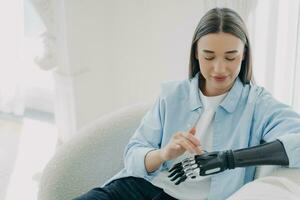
220 56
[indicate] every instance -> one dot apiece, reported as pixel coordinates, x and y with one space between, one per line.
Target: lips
219 78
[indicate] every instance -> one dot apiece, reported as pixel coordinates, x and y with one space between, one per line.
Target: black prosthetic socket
272 153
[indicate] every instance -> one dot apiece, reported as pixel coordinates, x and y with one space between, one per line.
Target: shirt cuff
137 163
291 143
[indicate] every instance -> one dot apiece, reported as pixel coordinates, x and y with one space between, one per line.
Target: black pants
130 188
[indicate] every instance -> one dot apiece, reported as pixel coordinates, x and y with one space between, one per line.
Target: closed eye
230 59
209 58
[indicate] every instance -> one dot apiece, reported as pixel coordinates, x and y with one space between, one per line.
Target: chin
223 86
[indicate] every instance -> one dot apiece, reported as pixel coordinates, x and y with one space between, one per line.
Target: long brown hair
228 21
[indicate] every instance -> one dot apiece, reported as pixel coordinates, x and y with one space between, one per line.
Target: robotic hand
272 153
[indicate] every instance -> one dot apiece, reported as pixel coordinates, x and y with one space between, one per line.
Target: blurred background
65 63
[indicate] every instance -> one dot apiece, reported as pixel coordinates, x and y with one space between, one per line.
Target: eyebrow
227 52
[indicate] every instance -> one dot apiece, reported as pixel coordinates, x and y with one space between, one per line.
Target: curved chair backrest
91 158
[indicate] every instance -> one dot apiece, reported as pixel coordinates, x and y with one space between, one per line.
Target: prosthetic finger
183 170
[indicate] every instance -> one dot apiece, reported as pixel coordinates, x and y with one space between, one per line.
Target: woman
217 108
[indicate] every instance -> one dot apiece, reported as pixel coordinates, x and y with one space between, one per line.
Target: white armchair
95 155
92 157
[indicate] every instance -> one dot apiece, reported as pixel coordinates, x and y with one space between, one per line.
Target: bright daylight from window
27 130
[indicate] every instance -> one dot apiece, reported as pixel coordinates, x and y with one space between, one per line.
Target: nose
219 66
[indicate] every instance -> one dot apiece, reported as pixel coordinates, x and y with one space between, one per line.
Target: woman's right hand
180 143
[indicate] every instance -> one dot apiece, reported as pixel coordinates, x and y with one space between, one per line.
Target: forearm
153 160
272 153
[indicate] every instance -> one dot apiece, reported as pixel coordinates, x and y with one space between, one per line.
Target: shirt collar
229 103
195 101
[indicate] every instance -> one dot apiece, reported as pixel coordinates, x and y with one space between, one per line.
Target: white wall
120 51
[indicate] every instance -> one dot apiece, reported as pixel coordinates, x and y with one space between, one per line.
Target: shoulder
259 99
256 94
175 89
262 95
265 102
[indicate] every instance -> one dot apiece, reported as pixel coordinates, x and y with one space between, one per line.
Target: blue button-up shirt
246 116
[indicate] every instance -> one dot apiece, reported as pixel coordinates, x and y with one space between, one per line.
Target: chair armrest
92 157
279 183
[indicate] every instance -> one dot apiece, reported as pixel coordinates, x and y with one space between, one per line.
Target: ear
196 52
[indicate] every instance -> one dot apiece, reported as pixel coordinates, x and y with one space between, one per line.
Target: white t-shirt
198 188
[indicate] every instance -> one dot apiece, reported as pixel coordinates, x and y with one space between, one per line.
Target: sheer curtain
275 36
23 83
11 71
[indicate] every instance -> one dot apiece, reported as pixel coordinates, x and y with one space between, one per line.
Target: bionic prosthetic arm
272 153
